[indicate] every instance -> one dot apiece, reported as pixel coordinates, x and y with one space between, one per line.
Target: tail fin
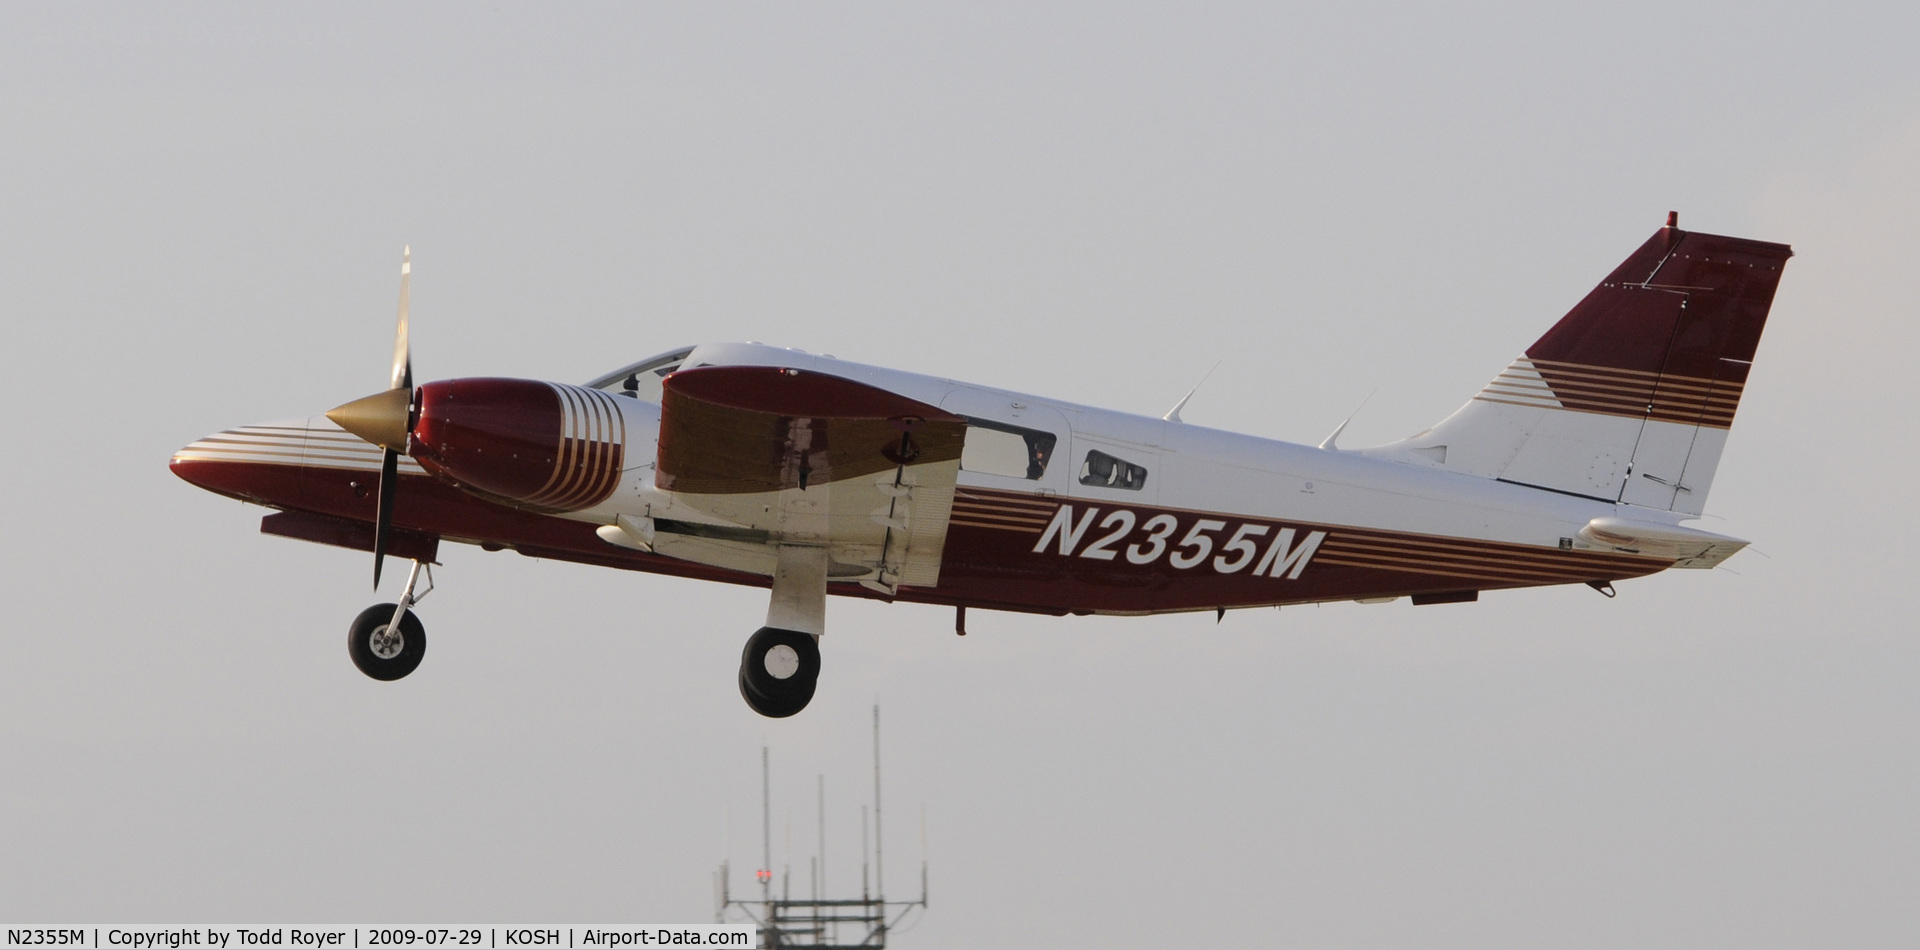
1629 397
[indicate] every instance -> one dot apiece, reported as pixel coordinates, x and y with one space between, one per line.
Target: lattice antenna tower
816 920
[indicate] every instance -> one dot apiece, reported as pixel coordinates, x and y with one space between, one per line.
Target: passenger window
995 448
1108 472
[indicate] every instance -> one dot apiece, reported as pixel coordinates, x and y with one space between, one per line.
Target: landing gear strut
781 664
387 641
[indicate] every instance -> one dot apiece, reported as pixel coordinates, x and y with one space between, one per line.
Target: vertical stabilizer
1629 397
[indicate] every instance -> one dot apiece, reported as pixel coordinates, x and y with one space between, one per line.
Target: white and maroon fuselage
1578 464
1191 536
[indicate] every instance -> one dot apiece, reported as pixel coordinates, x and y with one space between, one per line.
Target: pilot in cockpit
1036 457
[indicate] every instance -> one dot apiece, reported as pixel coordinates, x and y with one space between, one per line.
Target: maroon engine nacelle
531 444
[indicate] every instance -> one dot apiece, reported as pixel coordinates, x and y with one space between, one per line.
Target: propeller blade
385 420
383 514
402 351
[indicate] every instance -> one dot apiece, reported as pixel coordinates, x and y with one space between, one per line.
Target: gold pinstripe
1603 390
587 465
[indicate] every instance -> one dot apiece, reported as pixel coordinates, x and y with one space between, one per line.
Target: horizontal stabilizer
1689 547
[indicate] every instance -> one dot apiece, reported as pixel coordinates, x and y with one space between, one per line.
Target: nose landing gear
387 641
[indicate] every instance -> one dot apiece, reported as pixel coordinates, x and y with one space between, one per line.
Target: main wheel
778 671
383 655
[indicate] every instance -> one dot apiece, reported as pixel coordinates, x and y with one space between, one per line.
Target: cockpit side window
1106 471
996 448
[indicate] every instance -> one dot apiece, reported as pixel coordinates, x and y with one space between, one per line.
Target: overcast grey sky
201 212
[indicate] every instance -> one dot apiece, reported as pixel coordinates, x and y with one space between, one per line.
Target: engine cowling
531 444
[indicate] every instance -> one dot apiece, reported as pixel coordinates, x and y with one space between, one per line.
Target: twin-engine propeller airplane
775 468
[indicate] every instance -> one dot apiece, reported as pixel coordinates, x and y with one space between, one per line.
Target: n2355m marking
1283 558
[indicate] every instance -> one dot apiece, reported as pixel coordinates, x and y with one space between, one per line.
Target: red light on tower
763 875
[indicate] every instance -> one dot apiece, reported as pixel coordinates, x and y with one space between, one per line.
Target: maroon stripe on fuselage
427 504
992 536
985 566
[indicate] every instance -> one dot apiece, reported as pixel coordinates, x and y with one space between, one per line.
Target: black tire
373 621
769 693
770 708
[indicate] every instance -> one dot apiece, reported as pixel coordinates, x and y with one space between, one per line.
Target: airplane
808 475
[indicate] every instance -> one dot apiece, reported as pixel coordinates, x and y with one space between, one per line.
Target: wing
796 457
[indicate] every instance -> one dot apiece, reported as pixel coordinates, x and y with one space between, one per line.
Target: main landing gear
781 663
387 641
778 670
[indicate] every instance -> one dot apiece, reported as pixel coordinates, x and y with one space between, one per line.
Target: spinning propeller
386 419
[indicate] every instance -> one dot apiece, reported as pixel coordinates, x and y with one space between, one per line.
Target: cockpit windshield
642 380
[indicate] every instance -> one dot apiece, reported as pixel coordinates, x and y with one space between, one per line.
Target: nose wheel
380 648
387 641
